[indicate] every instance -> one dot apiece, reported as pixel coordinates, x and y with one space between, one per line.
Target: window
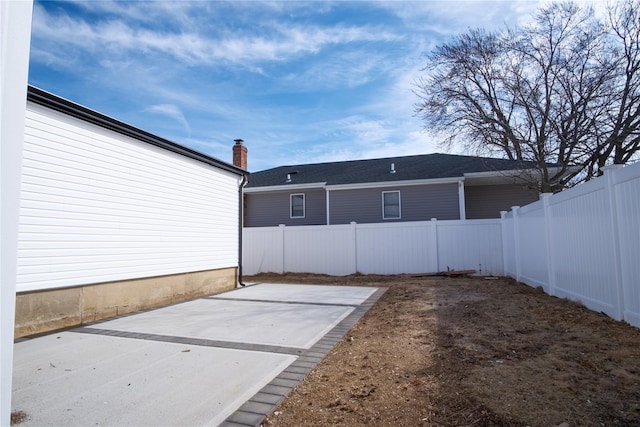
390 205
296 205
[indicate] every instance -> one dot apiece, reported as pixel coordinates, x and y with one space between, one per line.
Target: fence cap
609 168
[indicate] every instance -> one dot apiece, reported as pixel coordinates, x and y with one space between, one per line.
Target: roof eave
56 103
387 184
286 187
508 176
353 186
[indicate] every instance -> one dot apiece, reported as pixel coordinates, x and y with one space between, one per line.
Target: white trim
399 205
328 210
387 184
15 32
286 187
461 200
488 174
357 186
304 205
511 172
508 176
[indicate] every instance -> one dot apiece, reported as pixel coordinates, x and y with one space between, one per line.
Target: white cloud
171 111
123 38
299 81
453 17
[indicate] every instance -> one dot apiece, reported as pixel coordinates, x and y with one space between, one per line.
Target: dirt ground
469 352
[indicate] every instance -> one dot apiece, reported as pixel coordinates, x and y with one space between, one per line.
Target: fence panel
396 248
390 248
508 245
628 209
533 245
583 246
262 250
470 245
322 249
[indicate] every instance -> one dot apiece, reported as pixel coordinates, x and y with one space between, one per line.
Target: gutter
244 182
356 186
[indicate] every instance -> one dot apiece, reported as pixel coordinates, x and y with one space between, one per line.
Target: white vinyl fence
582 244
392 248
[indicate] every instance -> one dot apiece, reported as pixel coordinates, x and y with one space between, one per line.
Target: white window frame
399 205
304 207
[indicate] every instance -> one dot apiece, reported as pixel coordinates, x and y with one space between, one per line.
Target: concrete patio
226 359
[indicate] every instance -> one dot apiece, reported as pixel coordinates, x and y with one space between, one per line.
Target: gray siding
272 209
486 201
417 203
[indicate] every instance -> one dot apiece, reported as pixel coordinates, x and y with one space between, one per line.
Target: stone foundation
49 310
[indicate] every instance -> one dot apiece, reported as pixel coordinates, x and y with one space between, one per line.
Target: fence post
434 245
516 240
282 254
503 226
548 237
354 238
609 174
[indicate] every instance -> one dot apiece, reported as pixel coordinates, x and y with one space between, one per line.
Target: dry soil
469 352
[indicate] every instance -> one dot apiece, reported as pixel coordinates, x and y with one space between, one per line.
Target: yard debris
17 417
448 273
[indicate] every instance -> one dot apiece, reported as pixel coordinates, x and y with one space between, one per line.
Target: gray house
410 188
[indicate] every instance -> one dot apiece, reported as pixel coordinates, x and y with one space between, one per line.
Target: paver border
255 410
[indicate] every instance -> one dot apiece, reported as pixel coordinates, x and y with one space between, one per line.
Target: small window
390 205
297 205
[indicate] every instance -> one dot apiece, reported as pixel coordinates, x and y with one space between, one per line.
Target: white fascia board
489 174
286 187
387 184
513 172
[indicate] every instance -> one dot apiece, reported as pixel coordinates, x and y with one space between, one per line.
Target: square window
390 205
296 205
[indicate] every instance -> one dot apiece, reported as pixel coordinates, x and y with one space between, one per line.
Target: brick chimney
240 154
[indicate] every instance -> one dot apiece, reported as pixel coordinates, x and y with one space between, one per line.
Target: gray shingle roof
428 166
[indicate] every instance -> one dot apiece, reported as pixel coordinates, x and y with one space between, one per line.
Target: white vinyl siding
391 205
97 206
297 205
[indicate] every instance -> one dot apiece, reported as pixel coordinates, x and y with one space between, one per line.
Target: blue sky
300 82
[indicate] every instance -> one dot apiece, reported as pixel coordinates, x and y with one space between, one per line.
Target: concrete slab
71 379
218 360
324 294
267 323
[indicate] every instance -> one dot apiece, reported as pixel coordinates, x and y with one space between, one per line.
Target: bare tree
619 139
560 94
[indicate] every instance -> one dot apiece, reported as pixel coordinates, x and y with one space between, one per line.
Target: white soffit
357 186
500 177
285 187
387 184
